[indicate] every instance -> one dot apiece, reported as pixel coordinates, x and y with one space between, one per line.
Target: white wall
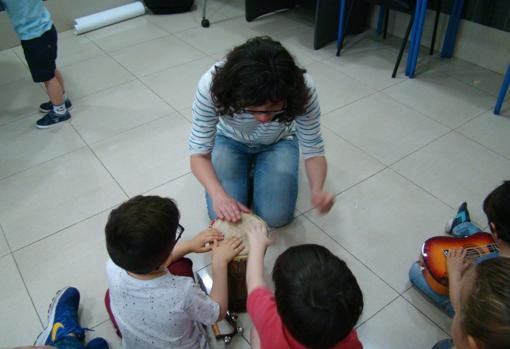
63 13
478 44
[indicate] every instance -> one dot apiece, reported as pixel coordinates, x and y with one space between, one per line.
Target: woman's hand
227 208
323 201
203 241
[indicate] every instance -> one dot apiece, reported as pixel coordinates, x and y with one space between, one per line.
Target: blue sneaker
51 119
48 106
62 318
97 343
462 216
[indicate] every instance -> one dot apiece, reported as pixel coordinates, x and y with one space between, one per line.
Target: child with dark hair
480 294
252 113
32 22
316 303
154 300
497 209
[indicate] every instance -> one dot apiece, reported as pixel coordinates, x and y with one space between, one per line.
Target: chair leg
436 22
502 92
402 47
380 19
341 28
386 18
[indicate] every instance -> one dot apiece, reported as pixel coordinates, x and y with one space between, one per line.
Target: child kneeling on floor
317 300
153 297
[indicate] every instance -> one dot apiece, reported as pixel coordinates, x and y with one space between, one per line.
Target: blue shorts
41 54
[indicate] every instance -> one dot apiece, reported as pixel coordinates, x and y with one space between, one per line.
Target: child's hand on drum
258 236
203 241
227 250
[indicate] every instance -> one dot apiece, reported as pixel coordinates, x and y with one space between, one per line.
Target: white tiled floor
402 154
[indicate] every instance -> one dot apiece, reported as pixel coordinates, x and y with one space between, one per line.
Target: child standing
480 295
317 300
497 209
153 307
32 22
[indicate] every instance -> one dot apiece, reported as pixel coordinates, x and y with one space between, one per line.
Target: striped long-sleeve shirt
244 128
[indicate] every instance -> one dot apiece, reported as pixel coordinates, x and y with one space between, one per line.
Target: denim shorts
41 54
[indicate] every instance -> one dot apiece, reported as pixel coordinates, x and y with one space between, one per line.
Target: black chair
406 6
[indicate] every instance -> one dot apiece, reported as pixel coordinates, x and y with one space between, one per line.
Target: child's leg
109 310
60 79
417 279
465 229
55 91
254 339
182 267
461 225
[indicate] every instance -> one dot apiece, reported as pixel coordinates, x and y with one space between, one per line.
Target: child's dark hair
317 296
485 314
497 208
256 72
140 233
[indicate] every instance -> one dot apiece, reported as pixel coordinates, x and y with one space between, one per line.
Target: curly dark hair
256 72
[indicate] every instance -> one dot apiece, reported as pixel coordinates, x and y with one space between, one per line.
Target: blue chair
502 92
407 6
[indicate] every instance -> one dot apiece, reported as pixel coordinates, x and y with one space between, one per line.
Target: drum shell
237 291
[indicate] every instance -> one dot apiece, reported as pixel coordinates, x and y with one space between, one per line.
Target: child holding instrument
153 306
497 209
480 294
317 300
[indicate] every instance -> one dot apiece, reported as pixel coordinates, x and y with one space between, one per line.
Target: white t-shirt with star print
165 312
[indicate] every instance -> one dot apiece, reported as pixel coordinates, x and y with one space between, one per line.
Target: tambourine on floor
237 293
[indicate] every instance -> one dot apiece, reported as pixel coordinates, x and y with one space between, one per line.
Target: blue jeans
443 344
275 171
418 280
69 342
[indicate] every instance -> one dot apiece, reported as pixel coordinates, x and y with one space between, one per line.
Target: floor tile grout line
425 315
358 326
120 133
6 241
414 109
140 79
429 116
474 86
422 188
27 290
397 80
352 254
102 163
437 138
165 183
65 228
173 111
483 145
43 162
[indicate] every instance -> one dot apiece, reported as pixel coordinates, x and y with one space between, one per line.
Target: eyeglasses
180 230
275 114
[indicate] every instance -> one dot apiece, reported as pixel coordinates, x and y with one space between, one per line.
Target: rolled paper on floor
104 18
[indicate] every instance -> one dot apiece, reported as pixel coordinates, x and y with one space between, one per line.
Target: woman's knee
276 218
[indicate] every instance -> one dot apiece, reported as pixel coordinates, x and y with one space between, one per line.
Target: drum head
239 229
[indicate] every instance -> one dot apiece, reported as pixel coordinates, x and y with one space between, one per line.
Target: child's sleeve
200 307
261 307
